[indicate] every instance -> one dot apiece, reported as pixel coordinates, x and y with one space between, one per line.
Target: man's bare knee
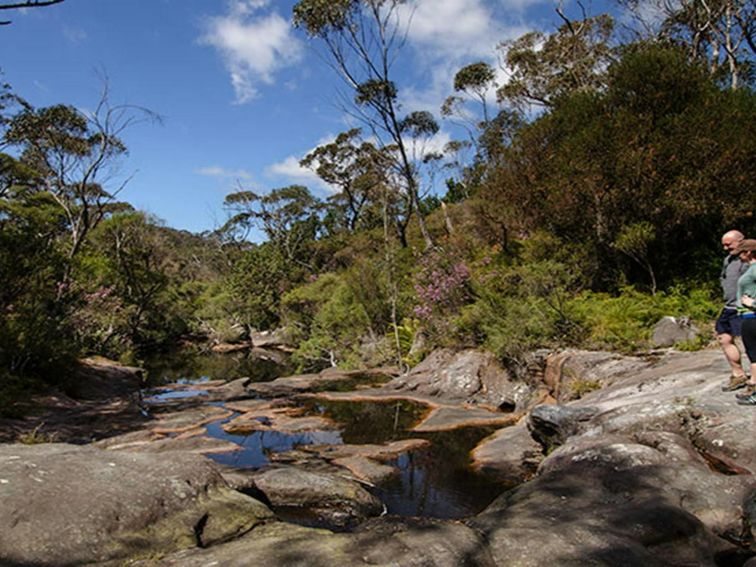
725 339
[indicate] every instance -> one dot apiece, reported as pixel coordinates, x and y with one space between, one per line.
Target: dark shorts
749 338
728 323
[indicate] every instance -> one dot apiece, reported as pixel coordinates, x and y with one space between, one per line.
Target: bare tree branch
27 4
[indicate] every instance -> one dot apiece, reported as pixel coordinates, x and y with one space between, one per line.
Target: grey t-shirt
732 269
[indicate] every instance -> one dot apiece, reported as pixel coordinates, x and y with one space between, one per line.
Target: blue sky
242 95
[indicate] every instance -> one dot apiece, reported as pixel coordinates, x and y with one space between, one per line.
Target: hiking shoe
747 400
747 393
736 382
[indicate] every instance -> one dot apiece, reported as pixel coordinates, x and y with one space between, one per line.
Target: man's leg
732 353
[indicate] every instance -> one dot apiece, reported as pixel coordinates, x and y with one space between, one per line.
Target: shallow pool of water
435 481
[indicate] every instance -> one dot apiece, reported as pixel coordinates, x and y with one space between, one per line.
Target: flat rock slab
189 419
469 375
511 455
197 443
100 378
680 394
327 380
661 465
606 505
266 417
70 505
83 422
448 418
326 499
365 462
366 469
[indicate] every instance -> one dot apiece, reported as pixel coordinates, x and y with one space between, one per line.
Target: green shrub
625 321
327 321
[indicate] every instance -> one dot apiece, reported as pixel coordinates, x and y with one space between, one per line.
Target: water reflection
436 481
257 445
189 365
162 396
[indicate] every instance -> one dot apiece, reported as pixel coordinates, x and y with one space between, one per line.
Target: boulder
270 339
510 455
466 376
665 465
70 505
552 425
572 373
671 330
597 505
325 499
679 394
98 378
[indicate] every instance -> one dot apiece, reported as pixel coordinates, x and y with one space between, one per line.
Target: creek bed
435 481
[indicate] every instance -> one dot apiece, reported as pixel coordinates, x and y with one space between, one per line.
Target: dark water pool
193 366
436 481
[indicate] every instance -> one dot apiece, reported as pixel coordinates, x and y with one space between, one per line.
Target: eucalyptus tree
544 67
75 157
289 217
720 32
356 169
363 39
473 82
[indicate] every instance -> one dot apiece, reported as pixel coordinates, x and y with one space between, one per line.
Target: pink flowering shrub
442 287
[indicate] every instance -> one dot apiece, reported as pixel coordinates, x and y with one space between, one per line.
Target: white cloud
450 25
74 35
253 46
290 170
223 173
449 34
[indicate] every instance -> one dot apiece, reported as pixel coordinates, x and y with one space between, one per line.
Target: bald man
728 323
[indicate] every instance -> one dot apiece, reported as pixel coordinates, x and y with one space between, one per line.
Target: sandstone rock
382 542
266 416
510 455
680 394
571 373
331 378
269 339
664 465
447 418
670 330
467 376
596 508
326 498
66 505
552 425
186 420
99 378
